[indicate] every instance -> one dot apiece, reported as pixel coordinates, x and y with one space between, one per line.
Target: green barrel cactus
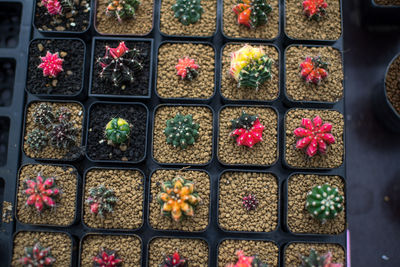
37 140
188 11
117 131
181 131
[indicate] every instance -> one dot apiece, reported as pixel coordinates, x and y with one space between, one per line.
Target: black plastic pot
378 15
10 14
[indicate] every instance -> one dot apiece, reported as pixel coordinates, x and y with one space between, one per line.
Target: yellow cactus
243 57
178 198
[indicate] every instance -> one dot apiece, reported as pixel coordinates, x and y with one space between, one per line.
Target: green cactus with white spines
37 140
256 73
188 11
43 115
181 131
324 202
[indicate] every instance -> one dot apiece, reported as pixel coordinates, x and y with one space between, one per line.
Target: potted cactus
251 19
72 16
192 189
313 19
121 68
124 17
188 17
193 74
314 254
260 61
247 135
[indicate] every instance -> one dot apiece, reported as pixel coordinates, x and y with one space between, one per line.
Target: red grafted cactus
250 202
174 261
53 6
247 130
314 136
37 256
252 13
314 9
51 64
106 258
314 70
187 68
244 261
41 192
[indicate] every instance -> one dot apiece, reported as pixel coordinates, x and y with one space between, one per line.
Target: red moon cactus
313 70
41 192
51 64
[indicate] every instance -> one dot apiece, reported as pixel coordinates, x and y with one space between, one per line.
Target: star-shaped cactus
174 261
245 261
314 9
41 192
51 64
37 256
106 258
316 260
314 70
247 130
187 68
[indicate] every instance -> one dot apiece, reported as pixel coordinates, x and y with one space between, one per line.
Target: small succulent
122 9
101 200
250 66
37 256
314 136
106 258
244 261
324 202
247 130
316 260
120 65
51 64
43 115
187 68
252 13
63 114
63 135
314 70
178 198
250 202
37 140
58 7
41 192
181 131
117 131
314 9
188 11
174 261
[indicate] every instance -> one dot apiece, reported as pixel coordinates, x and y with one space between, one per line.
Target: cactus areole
187 68
117 131
187 11
314 70
178 198
106 258
51 65
244 261
314 136
314 9
174 261
122 9
41 192
37 256
324 202
181 131
316 260
252 13
247 130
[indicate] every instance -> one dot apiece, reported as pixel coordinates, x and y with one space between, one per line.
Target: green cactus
122 9
43 115
245 121
188 11
181 131
37 140
101 200
63 114
117 131
256 73
324 202
316 260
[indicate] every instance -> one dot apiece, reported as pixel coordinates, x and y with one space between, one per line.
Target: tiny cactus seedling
250 67
314 136
37 140
181 131
43 115
63 114
316 260
57 7
250 202
252 13
313 70
37 256
63 135
51 64
41 192
244 261
106 258
120 65
122 9
117 131
324 202
174 261
314 9
178 198
101 200
187 68
188 11
247 130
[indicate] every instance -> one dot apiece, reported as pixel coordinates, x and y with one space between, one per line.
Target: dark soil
100 115
392 83
139 87
45 22
294 250
67 82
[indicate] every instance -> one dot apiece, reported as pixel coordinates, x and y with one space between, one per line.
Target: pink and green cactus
106 258
245 261
51 64
316 260
314 70
247 130
37 256
314 9
101 200
174 261
122 9
181 131
187 69
250 202
41 192
252 13
58 7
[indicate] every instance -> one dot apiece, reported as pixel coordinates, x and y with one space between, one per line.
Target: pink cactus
51 64
313 70
187 68
314 136
328 261
118 51
41 192
249 137
53 7
250 202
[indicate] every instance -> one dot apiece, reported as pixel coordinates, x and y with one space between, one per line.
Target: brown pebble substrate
50 152
170 85
194 250
294 250
65 180
392 84
141 24
235 30
200 152
329 90
387 2
298 26
199 221
128 188
127 247
335 152
205 26
233 186
266 251
263 153
59 243
298 218
229 86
